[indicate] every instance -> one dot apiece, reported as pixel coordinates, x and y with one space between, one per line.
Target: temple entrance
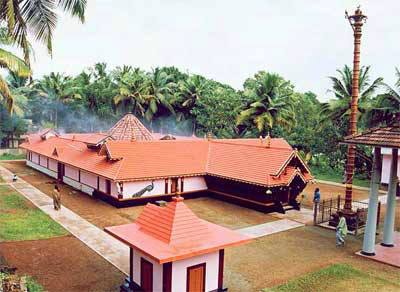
196 278
174 185
146 275
60 171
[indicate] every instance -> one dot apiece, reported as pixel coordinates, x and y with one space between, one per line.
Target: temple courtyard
304 256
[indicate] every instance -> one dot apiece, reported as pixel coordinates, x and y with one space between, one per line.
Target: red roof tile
241 160
382 137
174 233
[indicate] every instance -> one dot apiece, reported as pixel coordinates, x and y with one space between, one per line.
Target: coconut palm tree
339 109
13 64
386 107
60 89
131 85
158 94
189 92
270 103
38 18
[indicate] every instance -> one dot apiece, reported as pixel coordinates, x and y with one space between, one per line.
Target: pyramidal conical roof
174 224
130 128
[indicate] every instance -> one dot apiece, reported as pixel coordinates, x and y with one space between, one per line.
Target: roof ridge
250 145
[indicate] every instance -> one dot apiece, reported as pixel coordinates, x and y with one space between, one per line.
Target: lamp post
356 21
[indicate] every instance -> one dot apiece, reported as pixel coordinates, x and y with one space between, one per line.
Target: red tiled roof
174 233
238 160
130 128
88 138
382 137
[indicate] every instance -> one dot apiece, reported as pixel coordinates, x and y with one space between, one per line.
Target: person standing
56 198
341 230
317 196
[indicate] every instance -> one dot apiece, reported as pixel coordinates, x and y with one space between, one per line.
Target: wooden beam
167 277
221 269
131 267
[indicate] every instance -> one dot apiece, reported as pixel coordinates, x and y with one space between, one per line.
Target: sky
304 41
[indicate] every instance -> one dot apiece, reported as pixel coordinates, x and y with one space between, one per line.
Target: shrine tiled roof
380 137
131 129
174 232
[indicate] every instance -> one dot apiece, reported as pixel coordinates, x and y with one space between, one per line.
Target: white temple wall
43 161
195 183
53 165
89 179
42 169
72 172
179 271
35 158
102 185
157 270
131 188
77 185
190 184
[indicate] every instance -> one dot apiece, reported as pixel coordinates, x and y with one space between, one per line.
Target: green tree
385 108
158 94
36 18
339 109
131 84
269 103
13 65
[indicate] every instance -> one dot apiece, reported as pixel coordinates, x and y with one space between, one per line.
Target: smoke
169 125
70 118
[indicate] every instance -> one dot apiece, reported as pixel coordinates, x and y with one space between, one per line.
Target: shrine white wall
179 271
157 270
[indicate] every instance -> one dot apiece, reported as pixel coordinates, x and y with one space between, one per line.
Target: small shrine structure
171 249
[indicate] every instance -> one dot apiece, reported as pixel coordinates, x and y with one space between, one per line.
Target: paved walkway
105 245
269 228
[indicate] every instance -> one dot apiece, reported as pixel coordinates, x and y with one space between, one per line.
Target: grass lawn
31 284
8 156
337 177
19 220
338 277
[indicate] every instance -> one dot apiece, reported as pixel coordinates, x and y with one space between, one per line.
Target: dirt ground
265 262
62 264
330 191
103 214
275 259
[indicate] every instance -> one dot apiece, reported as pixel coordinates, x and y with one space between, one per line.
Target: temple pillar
370 229
388 232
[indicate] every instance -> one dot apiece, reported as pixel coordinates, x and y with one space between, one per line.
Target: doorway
146 275
174 185
60 171
196 278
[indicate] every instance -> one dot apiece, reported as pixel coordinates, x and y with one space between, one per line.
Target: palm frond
14 64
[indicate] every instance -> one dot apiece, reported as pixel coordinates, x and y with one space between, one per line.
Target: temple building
130 165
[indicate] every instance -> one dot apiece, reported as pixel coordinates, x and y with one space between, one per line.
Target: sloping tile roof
128 161
130 128
383 137
88 138
174 232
